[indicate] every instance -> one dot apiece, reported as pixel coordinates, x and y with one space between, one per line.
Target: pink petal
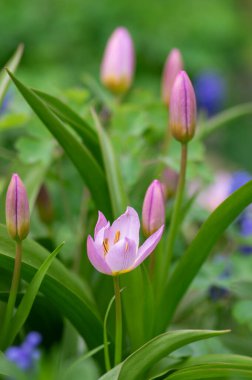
128 224
101 222
148 246
122 256
95 258
101 235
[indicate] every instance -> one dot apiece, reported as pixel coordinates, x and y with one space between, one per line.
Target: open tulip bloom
115 249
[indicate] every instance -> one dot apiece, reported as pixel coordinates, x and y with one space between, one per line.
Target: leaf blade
12 64
80 156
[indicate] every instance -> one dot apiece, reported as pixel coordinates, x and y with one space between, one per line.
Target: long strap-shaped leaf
213 371
12 65
62 288
81 157
137 364
81 127
199 249
113 174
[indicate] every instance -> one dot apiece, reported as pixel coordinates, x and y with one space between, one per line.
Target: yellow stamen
106 245
126 246
117 236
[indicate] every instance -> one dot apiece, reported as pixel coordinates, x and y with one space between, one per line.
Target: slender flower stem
175 219
118 331
13 292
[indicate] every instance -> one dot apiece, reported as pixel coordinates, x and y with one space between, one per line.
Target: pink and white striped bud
153 212
173 65
183 111
17 209
118 62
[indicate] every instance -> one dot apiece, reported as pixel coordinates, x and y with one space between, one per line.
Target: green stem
175 219
13 293
118 331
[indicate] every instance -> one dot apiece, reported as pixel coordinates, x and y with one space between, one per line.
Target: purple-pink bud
118 62
173 65
183 111
153 212
170 179
17 209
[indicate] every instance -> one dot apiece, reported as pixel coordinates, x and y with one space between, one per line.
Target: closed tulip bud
44 205
170 179
153 213
183 111
173 65
17 209
118 62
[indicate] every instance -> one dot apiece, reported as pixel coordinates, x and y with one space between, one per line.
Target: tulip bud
17 209
44 205
183 109
173 65
153 213
170 179
118 62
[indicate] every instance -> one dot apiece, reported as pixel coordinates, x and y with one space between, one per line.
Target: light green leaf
25 306
12 65
214 370
13 120
81 157
64 289
114 180
199 249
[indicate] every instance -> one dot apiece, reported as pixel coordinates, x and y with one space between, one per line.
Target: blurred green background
64 39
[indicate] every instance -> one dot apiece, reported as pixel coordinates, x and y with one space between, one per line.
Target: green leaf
217 366
199 249
12 65
15 120
137 364
81 157
69 295
81 127
25 306
69 372
114 180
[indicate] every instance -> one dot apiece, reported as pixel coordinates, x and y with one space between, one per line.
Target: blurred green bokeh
64 39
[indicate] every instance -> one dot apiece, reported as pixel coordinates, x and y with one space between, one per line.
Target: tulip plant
127 287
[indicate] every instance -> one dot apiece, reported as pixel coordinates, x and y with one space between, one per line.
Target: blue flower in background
27 354
239 179
210 90
244 221
5 103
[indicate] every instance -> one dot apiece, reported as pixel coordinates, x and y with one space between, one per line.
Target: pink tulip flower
115 248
